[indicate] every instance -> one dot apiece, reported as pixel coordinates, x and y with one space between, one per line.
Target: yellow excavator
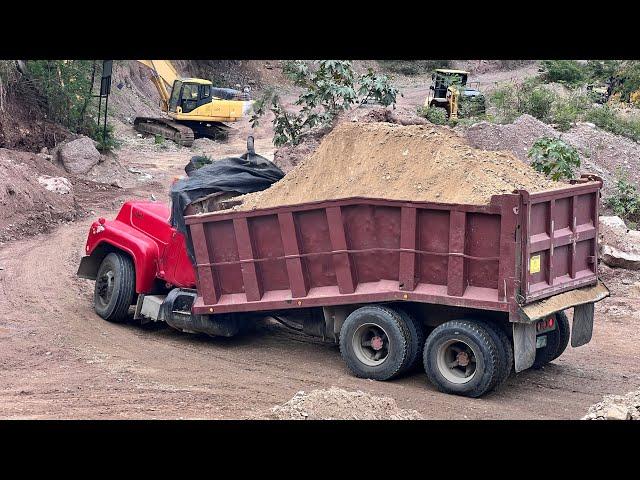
194 107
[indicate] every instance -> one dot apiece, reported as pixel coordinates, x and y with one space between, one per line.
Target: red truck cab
142 230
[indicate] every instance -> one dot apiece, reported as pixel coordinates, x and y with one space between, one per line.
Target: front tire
461 357
373 342
115 287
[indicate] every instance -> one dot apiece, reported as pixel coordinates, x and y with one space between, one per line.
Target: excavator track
168 129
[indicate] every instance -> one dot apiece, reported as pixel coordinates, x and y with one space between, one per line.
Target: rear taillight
545 324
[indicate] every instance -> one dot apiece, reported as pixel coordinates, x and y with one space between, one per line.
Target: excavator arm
164 74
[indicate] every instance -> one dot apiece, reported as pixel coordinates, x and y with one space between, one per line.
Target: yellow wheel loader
194 107
450 91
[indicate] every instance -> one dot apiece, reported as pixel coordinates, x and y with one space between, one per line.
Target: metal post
104 131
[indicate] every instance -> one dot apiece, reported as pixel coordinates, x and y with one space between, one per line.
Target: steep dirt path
58 359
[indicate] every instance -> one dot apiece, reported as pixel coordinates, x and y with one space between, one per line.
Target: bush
529 97
554 158
625 200
435 115
106 144
537 102
413 67
607 119
564 71
565 111
602 70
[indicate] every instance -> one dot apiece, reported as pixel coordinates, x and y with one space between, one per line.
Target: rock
55 184
616 412
613 222
78 156
619 246
617 258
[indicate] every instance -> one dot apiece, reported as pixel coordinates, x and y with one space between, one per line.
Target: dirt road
58 359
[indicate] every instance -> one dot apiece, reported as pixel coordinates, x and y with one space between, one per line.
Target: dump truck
470 293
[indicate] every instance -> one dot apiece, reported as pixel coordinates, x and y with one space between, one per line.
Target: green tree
554 158
329 87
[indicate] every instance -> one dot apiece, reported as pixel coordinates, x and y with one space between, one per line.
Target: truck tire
373 342
115 287
504 343
461 357
557 341
415 340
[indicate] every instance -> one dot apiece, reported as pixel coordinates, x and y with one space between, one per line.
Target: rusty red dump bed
519 248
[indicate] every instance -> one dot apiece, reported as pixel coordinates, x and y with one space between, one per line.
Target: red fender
142 249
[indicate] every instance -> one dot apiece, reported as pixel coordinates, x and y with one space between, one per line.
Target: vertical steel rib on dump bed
559 239
357 250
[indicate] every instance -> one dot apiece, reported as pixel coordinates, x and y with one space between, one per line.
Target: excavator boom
164 74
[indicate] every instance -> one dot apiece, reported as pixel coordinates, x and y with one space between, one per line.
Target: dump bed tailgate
559 239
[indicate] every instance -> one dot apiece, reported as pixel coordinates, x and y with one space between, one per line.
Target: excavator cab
189 94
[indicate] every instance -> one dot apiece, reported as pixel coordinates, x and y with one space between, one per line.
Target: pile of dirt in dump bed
413 162
338 404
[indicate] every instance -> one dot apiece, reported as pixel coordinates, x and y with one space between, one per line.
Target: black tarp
247 173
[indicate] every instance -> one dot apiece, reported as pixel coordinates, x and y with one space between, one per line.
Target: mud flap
88 267
582 328
524 345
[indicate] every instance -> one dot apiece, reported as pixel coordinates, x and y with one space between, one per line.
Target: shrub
565 111
564 71
435 115
602 70
106 143
413 67
377 88
625 200
528 97
554 158
607 119
537 102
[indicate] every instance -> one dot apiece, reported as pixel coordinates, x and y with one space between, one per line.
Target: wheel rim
104 287
456 361
371 344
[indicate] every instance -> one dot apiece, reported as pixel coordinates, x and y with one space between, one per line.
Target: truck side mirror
432 87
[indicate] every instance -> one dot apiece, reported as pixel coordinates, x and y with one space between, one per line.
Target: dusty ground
58 359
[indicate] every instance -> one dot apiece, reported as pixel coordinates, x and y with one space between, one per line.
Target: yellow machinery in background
450 90
194 107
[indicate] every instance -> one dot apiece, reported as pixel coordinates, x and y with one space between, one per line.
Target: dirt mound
289 156
25 204
616 407
605 152
338 404
384 160
601 152
36 195
517 137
